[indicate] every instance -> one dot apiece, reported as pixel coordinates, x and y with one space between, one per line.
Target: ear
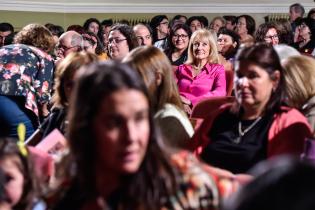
158 79
275 77
234 44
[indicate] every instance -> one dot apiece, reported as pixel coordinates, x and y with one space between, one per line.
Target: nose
130 131
242 82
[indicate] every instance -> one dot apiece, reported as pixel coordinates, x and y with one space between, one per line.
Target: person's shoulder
289 115
195 182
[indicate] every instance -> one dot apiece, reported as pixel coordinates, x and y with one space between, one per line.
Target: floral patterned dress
26 71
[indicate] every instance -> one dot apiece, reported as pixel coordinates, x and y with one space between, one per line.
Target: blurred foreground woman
120 163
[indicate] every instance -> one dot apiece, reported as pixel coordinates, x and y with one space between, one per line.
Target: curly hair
263 29
36 35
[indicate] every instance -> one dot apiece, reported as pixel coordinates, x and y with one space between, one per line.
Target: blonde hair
299 74
203 34
149 62
65 72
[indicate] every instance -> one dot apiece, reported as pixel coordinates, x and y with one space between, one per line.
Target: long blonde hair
299 74
203 34
151 62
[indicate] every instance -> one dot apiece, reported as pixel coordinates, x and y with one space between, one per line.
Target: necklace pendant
237 140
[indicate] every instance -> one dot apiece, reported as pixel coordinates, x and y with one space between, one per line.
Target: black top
181 60
238 157
56 119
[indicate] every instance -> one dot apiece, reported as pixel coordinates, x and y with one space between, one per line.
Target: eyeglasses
64 48
182 36
115 40
272 37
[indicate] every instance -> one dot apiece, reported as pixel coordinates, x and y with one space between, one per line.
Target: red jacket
287 133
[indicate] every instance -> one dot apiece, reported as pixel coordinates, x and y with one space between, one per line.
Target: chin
130 168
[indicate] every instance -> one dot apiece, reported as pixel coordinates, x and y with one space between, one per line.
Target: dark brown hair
266 57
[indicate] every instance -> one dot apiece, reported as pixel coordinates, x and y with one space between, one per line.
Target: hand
187 109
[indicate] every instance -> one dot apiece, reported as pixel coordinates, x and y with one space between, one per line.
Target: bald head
69 41
143 34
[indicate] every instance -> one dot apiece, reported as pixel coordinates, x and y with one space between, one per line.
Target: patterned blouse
26 71
199 187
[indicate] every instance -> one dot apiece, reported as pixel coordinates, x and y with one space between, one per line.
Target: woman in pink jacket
201 76
257 126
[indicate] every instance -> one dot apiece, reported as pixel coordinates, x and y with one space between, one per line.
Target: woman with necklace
256 126
201 76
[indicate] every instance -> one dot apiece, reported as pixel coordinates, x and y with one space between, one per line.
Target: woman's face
254 86
122 131
216 25
117 45
195 25
15 179
304 31
201 49
225 43
241 26
272 37
89 47
180 39
94 28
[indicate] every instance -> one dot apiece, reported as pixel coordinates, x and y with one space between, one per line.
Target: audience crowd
180 113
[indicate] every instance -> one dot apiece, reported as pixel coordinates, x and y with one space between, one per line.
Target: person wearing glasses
121 40
160 30
68 42
177 47
268 33
201 76
26 74
143 33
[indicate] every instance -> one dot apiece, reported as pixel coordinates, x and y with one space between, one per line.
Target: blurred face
201 49
216 25
195 25
106 30
143 35
94 28
254 86
15 179
3 35
117 45
64 47
122 130
163 28
229 25
225 43
272 37
293 15
89 47
180 39
241 26
304 31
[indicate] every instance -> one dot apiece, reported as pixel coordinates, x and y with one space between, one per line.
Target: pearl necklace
242 133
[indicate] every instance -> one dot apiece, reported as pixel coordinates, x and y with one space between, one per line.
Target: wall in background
66 12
